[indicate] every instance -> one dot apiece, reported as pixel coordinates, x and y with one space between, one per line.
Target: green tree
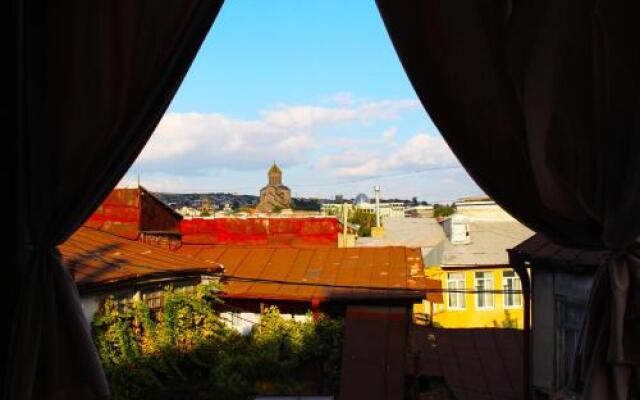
364 220
440 210
186 350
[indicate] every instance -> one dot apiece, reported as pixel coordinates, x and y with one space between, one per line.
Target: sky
315 86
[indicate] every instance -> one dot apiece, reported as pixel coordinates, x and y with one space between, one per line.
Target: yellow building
464 253
472 264
476 298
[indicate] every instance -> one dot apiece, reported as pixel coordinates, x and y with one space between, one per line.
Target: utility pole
345 214
377 193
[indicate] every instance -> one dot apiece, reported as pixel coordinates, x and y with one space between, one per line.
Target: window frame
517 285
485 295
456 295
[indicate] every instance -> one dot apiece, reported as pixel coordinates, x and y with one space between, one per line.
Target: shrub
365 221
186 351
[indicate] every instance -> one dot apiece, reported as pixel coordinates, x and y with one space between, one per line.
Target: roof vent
456 227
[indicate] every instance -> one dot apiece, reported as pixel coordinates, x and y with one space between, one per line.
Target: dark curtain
540 101
89 82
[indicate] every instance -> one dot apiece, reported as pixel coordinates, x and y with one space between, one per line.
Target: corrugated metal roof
475 363
410 232
373 354
392 273
489 243
121 213
97 257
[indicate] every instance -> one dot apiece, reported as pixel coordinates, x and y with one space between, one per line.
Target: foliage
331 211
440 210
364 220
507 322
303 204
284 345
186 351
436 324
205 213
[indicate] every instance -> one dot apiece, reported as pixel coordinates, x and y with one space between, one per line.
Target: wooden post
521 269
345 214
431 313
377 193
315 309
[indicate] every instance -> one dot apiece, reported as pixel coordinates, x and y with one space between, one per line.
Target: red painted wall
264 231
127 212
119 214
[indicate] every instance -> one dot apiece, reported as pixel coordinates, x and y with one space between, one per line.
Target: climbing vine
187 351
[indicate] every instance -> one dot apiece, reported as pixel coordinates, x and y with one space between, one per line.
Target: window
569 316
236 320
510 283
153 300
484 281
455 281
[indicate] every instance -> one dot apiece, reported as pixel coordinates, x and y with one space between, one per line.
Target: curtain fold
540 102
92 80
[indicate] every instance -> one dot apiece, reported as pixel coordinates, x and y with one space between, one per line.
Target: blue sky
314 85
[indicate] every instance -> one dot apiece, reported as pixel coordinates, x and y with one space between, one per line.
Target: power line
224 277
364 287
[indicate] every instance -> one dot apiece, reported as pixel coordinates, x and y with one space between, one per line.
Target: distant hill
236 201
177 200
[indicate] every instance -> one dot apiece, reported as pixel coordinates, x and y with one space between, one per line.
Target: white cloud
351 158
159 183
418 153
385 138
422 151
342 98
389 134
194 143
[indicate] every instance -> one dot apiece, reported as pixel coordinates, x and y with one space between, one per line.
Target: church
275 196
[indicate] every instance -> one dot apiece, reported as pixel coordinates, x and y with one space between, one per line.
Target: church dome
361 198
275 169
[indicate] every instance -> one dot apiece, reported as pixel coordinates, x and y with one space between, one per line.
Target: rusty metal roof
121 213
485 363
304 274
95 257
99 259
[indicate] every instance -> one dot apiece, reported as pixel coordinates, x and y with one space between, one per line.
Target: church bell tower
275 175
